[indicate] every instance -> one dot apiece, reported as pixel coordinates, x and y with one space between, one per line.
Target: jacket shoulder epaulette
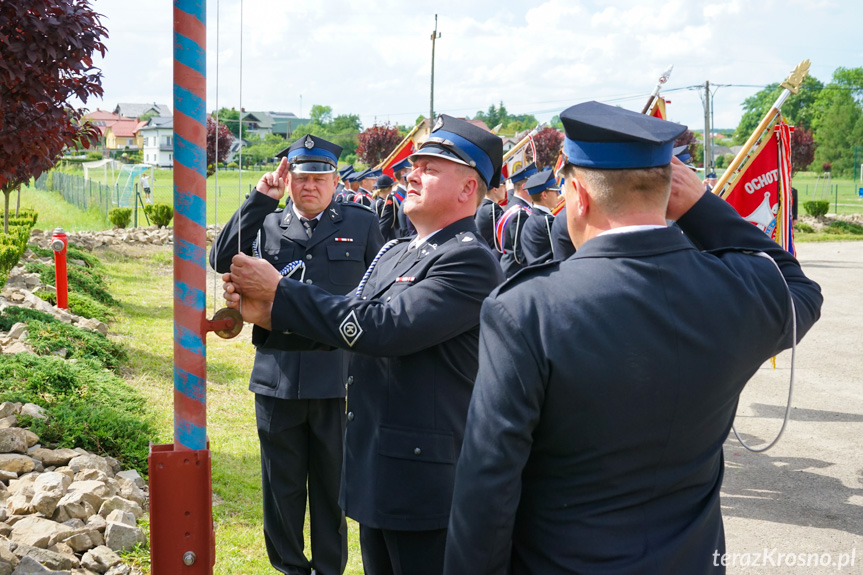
356 205
524 275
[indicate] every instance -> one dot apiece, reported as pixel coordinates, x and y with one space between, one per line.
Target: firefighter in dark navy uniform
518 209
385 207
608 382
367 179
341 189
413 325
536 237
300 397
403 226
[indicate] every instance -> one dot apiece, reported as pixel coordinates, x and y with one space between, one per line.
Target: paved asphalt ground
805 495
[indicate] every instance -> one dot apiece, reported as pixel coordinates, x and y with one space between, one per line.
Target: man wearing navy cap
363 195
413 325
341 188
710 182
608 382
403 223
518 210
300 396
385 207
536 237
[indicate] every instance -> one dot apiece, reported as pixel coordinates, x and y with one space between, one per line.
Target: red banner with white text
761 189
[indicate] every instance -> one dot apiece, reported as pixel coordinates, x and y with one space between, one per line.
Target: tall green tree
46 58
341 130
231 119
799 108
840 128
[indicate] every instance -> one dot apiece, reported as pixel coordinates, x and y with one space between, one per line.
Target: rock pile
19 291
63 510
92 240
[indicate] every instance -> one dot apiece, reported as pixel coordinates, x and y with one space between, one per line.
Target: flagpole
399 147
663 78
792 86
523 142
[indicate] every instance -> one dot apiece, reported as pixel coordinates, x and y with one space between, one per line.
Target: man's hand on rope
273 183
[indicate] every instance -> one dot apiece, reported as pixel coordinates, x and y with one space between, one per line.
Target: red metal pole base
182 541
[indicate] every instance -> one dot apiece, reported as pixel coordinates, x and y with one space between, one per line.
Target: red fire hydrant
59 244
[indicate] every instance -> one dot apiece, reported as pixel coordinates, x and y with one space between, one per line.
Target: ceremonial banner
760 190
519 159
658 109
520 155
406 147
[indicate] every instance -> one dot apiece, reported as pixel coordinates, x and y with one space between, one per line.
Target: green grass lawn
54 212
225 191
841 193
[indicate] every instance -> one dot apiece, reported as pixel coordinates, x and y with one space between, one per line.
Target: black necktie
309 225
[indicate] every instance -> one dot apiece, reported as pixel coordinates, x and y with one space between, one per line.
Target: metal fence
80 192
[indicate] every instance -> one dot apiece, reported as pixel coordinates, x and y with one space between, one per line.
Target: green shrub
83 280
87 406
816 208
159 214
80 304
120 217
14 314
72 253
842 227
804 227
13 244
47 337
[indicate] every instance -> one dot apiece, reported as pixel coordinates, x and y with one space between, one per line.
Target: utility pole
435 35
708 140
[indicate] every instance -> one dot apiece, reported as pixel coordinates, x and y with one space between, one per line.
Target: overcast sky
373 57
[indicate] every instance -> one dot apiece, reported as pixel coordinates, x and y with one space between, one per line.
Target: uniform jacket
406 228
595 431
487 216
414 331
512 259
563 247
387 209
332 264
536 237
363 197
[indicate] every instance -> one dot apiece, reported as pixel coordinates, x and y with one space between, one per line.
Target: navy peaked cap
403 165
312 154
523 173
611 138
540 182
462 142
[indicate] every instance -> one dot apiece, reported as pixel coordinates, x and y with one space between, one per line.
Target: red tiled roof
125 128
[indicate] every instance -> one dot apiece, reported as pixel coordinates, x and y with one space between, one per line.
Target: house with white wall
158 137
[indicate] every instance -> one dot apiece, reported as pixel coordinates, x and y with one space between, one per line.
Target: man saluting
413 325
608 382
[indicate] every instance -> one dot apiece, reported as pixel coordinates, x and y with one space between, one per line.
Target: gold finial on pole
795 79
